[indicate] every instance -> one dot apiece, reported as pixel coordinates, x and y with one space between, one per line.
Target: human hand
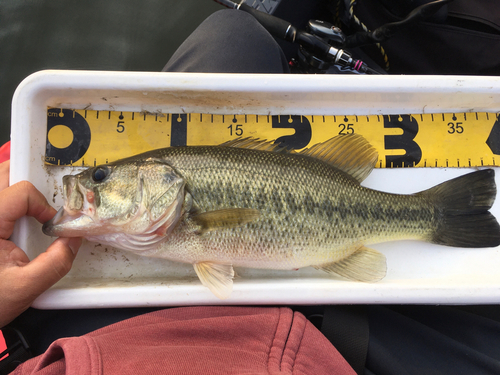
22 280
4 174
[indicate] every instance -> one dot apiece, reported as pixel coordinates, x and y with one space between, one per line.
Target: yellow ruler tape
89 137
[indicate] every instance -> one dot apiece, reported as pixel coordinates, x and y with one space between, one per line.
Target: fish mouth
72 220
67 224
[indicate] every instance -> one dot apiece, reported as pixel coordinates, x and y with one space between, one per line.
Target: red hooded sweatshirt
197 340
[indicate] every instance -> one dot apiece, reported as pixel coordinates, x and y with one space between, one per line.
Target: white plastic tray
105 277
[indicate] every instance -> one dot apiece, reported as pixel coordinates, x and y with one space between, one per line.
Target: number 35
455 128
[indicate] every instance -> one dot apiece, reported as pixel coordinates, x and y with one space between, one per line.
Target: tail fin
462 205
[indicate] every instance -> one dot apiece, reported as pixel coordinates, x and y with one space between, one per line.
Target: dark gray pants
229 41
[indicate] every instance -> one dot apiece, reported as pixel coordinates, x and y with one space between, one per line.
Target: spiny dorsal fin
225 218
364 264
216 277
351 154
254 144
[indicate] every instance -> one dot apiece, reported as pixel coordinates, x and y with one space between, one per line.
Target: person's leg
229 41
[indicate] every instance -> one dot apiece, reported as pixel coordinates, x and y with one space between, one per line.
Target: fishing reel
323 44
309 62
316 51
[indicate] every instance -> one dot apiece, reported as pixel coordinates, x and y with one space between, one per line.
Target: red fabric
3 345
5 152
197 340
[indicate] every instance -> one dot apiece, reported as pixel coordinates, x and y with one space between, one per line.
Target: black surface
126 35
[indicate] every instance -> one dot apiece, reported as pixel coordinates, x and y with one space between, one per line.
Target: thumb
24 284
52 265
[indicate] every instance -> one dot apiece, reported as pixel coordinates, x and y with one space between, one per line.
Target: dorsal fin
351 154
254 144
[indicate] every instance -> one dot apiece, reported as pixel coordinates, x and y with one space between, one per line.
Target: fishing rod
324 44
316 52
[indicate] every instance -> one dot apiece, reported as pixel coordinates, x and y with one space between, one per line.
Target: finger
4 174
51 266
19 200
11 255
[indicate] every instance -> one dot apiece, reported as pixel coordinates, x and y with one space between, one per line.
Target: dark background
125 35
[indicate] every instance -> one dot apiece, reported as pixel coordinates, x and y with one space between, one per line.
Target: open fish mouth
67 223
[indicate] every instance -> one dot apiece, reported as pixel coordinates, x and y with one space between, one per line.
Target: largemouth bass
248 203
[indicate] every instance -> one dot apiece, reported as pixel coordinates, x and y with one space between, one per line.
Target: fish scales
311 213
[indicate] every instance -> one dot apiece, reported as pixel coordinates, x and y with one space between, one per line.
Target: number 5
120 128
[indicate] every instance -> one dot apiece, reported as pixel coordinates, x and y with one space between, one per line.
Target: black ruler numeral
405 141
303 131
178 135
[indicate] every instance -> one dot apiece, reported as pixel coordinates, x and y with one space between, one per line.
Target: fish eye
100 173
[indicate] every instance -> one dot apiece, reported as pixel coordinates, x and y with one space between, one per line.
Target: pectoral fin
225 218
216 277
364 264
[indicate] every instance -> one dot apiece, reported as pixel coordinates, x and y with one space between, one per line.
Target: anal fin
364 264
216 277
